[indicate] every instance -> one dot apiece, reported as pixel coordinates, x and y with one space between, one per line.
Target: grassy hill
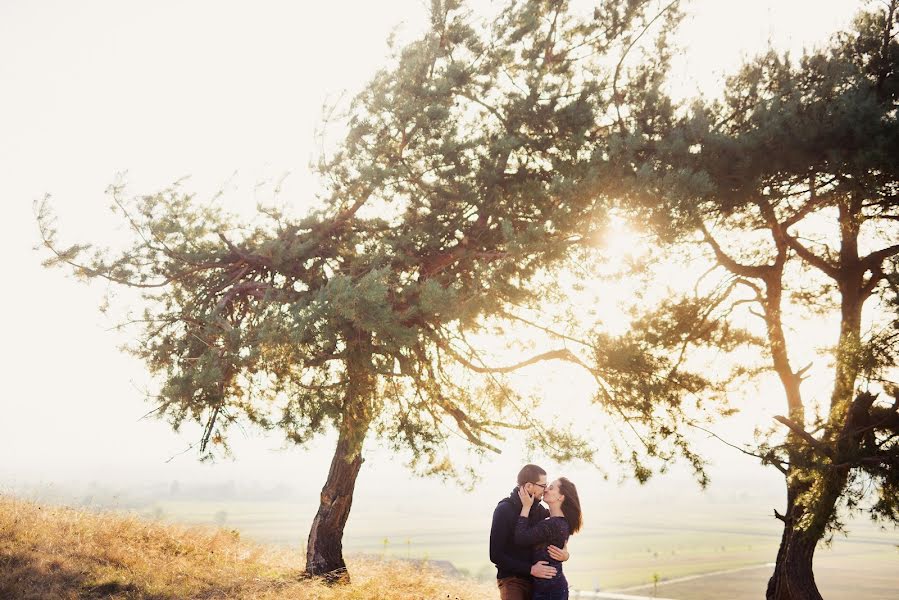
64 553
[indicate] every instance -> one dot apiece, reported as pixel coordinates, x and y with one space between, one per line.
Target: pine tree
468 169
788 188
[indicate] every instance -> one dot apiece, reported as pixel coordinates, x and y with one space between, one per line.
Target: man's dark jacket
510 559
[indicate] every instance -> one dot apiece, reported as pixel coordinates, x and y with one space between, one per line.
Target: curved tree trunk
324 550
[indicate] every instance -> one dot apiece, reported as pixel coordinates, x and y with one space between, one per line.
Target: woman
564 520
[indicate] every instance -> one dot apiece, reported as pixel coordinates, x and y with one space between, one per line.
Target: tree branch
811 258
874 260
758 271
776 463
802 433
561 354
624 56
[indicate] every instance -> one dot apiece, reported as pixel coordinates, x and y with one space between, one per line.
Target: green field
618 551
859 573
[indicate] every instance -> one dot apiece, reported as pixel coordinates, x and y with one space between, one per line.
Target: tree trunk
324 550
793 578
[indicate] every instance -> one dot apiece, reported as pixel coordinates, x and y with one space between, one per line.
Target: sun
620 241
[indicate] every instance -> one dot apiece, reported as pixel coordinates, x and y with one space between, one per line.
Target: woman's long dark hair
571 506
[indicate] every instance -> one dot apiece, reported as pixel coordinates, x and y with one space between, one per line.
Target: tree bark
324 549
793 577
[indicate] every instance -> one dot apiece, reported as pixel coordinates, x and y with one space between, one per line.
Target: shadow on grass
23 577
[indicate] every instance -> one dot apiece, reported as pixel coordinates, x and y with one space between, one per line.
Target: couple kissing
528 542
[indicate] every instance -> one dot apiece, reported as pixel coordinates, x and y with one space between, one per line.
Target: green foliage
468 169
788 186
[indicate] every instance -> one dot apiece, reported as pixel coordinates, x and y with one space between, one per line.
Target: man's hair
529 474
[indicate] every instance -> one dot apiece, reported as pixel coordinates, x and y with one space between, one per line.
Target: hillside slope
63 553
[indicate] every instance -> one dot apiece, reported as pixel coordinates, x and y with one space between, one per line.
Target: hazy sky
229 93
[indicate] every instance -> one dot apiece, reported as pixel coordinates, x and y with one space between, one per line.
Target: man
513 563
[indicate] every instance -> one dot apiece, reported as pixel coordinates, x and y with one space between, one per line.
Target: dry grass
63 553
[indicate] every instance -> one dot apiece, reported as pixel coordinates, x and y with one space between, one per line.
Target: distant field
608 555
844 575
